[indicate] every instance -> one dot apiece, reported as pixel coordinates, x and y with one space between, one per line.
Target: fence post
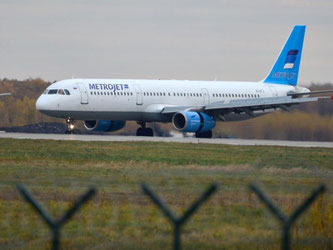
287 222
55 225
178 222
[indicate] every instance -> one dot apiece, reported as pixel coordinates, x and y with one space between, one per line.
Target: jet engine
188 121
103 125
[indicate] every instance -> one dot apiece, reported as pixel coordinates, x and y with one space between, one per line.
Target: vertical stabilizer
285 69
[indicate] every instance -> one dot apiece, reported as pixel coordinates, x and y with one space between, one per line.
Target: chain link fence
115 212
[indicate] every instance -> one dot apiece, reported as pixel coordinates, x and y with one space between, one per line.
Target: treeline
19 109
312 121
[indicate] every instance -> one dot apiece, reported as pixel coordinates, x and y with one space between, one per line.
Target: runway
116 138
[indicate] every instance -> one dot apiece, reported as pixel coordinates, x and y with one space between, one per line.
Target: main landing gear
143 131
70 126
207 134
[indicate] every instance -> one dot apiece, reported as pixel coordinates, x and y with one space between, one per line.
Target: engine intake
103 125
189 121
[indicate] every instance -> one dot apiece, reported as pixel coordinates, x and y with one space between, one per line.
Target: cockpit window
67 92
53 91
61 92
45 92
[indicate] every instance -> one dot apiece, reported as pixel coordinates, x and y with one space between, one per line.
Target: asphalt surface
116 138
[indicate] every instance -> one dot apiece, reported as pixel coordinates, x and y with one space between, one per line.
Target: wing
247 106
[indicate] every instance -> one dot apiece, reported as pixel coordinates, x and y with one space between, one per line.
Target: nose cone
41 103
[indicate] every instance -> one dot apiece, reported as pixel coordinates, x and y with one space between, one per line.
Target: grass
121 217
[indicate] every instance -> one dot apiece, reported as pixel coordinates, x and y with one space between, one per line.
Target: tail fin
285 69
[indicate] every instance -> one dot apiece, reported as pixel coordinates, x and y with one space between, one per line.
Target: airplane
191 106
5 94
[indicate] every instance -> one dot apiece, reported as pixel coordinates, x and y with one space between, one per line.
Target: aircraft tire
149 132
207 134
139 132
144 132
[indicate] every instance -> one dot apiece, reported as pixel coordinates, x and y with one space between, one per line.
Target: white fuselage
143 100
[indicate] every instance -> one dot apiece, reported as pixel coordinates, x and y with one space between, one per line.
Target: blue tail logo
291 58
286 67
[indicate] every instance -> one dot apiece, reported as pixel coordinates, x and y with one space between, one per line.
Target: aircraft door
138 92
205 95
273 90
83 92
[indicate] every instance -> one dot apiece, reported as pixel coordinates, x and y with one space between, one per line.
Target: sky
157 39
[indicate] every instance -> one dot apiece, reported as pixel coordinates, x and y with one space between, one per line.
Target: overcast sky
192 39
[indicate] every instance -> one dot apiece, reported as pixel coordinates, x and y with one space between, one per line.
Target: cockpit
56 92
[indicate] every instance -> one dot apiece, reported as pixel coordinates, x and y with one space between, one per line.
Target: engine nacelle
189 121
102 125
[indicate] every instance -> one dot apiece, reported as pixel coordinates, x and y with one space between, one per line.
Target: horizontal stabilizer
310 93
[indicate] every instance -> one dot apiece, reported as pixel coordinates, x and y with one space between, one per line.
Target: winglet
285 69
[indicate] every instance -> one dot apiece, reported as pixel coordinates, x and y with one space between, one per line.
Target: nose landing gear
70 125
143 131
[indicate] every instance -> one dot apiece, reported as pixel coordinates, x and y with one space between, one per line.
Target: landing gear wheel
144 131
207 134
149 132
70 126
139 132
